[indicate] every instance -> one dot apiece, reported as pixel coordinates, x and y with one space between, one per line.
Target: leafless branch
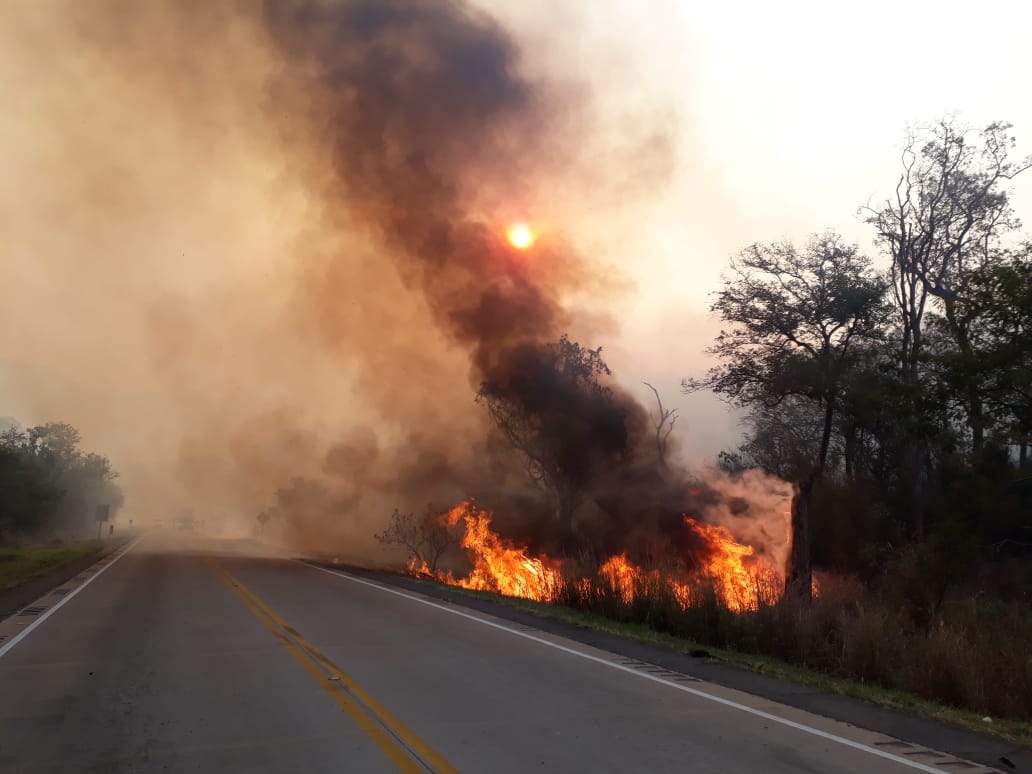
664 424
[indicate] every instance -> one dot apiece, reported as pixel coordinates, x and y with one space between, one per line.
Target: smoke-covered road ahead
208 661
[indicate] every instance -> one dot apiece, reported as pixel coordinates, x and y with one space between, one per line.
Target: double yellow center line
406 750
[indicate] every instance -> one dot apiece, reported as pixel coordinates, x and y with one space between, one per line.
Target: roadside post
103 512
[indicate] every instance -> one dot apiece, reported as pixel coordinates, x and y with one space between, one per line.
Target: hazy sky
714 125
789 116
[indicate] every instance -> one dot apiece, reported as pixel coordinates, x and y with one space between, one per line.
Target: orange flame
732 567
740 579
622 575
499 565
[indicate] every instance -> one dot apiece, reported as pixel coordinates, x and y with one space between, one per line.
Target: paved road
210 661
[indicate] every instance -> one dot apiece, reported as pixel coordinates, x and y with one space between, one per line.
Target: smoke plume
279 237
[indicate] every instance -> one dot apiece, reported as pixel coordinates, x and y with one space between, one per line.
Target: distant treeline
899 399
48 485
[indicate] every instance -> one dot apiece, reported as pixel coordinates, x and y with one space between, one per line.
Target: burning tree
555 410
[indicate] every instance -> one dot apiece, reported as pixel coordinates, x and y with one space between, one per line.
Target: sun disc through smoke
520 236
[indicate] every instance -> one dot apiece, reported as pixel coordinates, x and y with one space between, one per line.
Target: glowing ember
520 236
741 580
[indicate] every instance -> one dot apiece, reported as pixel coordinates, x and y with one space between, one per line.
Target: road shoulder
24 595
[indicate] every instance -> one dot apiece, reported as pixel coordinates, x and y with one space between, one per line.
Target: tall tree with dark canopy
795 317
1002 295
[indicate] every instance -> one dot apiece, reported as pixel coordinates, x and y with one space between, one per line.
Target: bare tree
426 537
947 217
664 425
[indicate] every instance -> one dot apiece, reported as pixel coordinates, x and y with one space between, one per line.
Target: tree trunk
849 446
976 418
914 453
799 573
1022 454
976 415
915 480
829 421
660 449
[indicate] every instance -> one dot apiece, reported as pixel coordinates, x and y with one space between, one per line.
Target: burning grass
497 564
721 566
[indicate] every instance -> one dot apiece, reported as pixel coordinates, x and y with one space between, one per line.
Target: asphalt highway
205 659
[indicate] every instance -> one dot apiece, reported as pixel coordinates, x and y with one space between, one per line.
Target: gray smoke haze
255 244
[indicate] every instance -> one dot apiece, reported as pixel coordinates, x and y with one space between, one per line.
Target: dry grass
18 566
973 654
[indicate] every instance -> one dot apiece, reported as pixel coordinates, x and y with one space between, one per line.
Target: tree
554 409
781 439
948 216
56 443
27 497
795 317
1002 294
46 481
664 425
427 537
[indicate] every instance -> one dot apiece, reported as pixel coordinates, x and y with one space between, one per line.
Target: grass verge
18 566
1012 731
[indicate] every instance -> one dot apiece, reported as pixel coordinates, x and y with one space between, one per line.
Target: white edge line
620 667
65 600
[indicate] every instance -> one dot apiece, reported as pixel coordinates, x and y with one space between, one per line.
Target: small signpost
103 514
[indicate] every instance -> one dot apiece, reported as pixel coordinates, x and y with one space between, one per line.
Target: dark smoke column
417 106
